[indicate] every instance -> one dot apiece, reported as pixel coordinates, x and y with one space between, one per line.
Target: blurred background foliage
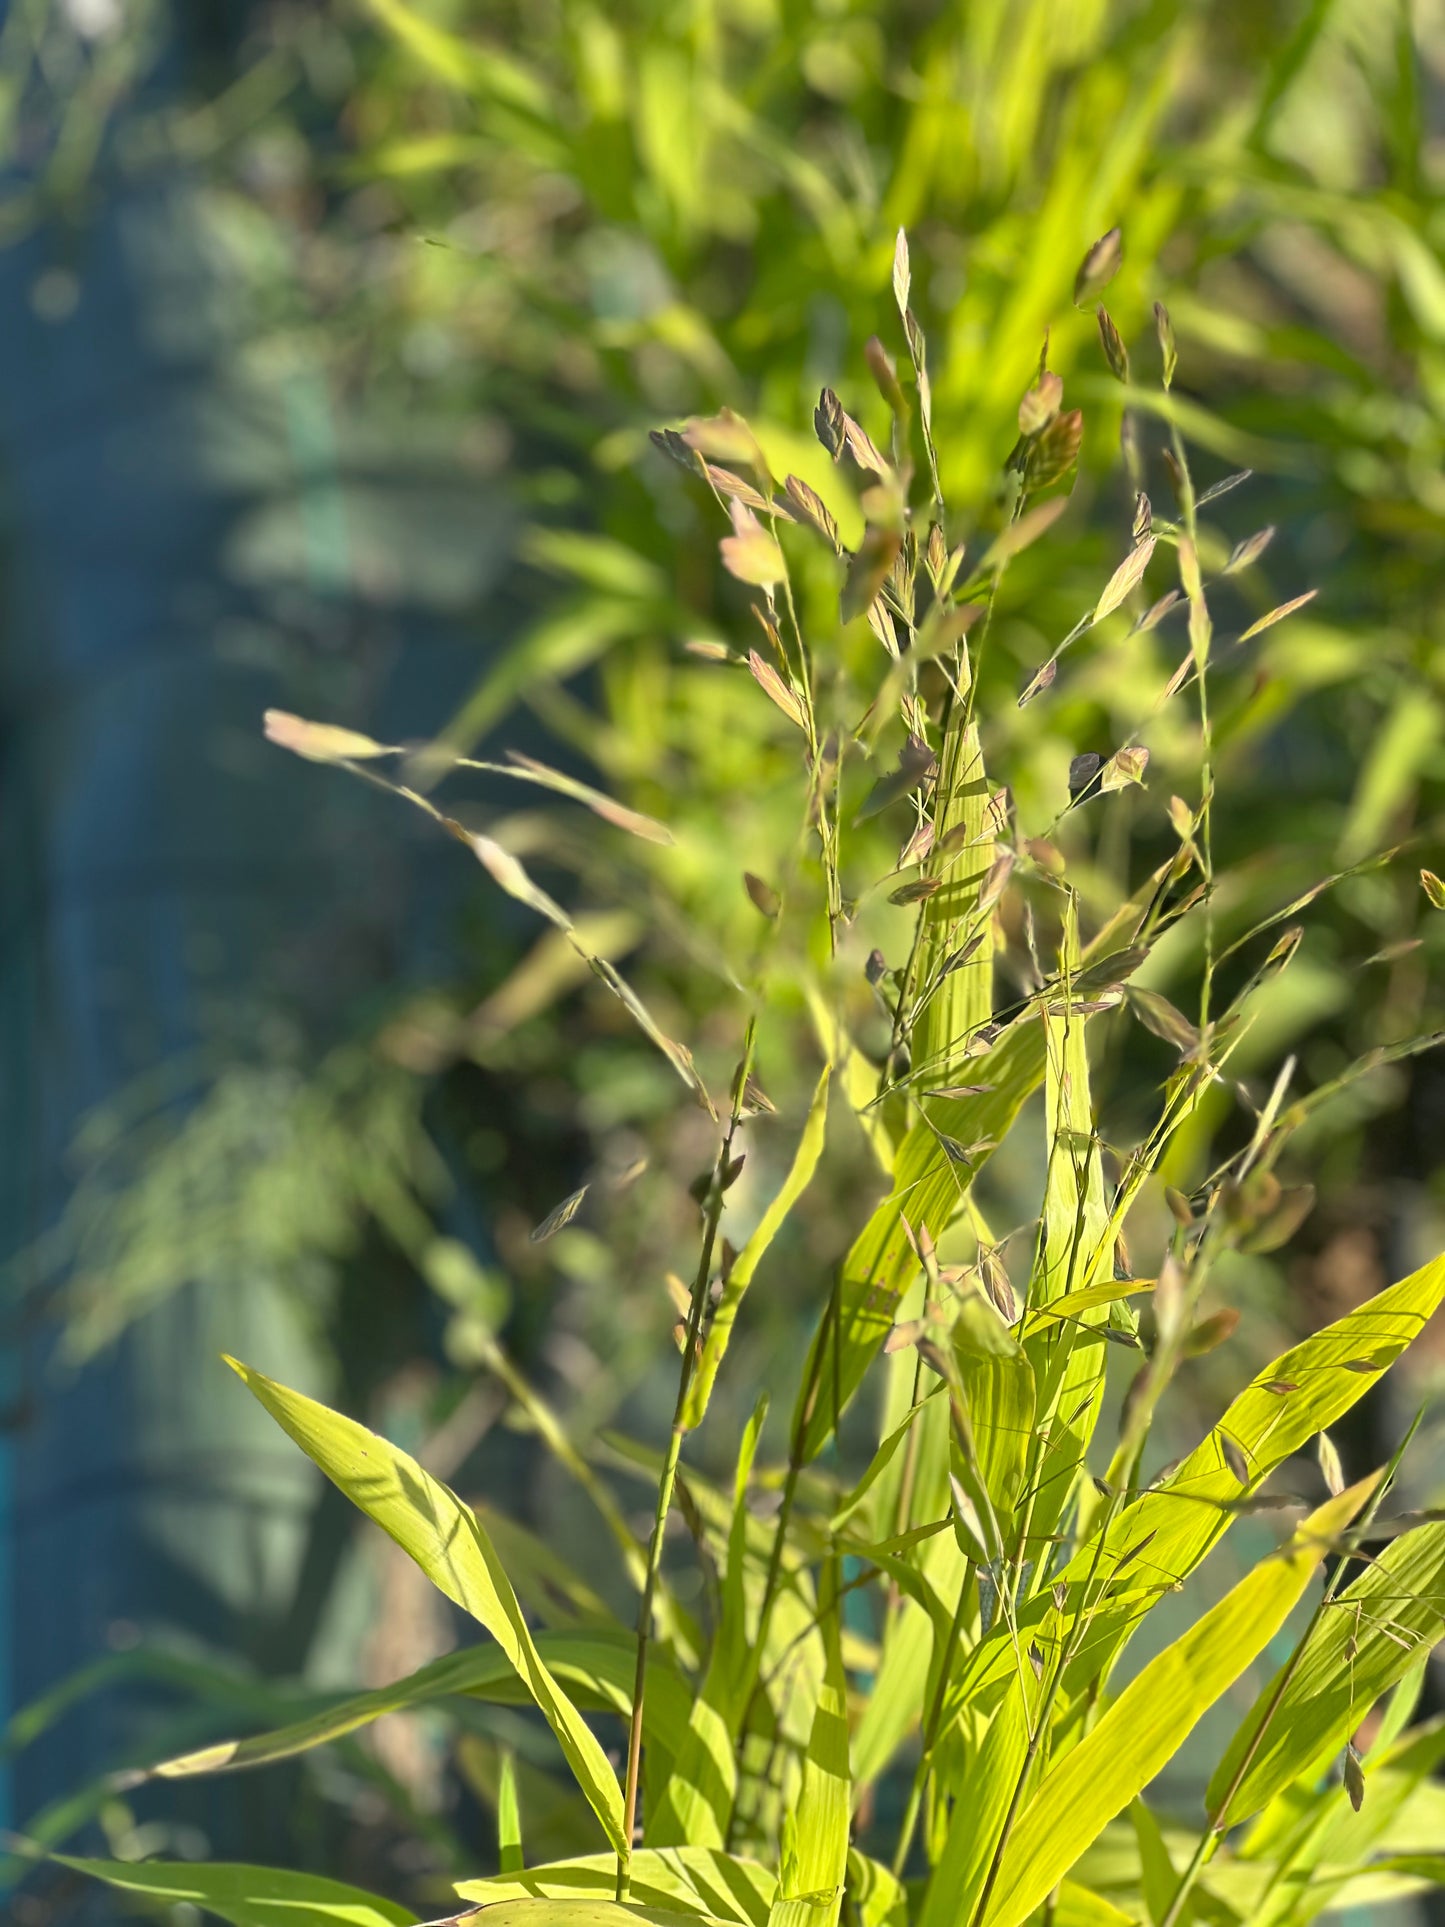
471 253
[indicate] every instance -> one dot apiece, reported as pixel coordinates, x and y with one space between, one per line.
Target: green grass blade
596 1667
245 1896
1067 1357
568 1912
510 1857
815 1831
699 1881
1192 1510
880 1899
434 1527
1152 1717
1159 1877
1381 1625
928 1189
1079 1908
697 1801
996 1386
964 997
1307 1827
899 1687
982 1794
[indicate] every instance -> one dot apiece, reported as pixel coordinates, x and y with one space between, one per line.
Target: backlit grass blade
1381 1624
815 1831
1315 1827
1155 1713
1191 1511
1067 1356
511 1856
434 1527
697 1802
245 1896
928 1189
996 1392
595 1667
982 1796
699 1881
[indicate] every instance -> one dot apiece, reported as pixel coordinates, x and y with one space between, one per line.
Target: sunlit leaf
1381 1623
245 1896
699 1882
433 1527
1148 1722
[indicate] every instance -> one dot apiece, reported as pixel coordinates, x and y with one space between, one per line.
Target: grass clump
881 1664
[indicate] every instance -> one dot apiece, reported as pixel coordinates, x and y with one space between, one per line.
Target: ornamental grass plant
883 1667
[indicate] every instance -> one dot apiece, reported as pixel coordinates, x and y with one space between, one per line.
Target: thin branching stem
712 1218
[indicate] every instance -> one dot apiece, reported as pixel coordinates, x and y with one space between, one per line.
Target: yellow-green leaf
597 1667
697 1801
1068 1357
697 1881
815 1832
1154 1715
1382 1623
586 1912
442 1534
1187 1514
983 1793
510 1855
246 1896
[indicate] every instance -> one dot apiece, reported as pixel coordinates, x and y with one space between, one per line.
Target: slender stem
1206 785
713 1209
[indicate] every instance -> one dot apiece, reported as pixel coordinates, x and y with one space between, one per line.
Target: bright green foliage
957 955
698 1881
247 1896
1368 1641
434 1527
1150 1720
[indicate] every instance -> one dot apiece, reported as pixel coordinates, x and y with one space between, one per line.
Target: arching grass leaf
1153 1716
434 1527
245 1896
698 1881
1378 1628
597 1667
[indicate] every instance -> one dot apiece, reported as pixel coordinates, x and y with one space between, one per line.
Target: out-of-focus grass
542 231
